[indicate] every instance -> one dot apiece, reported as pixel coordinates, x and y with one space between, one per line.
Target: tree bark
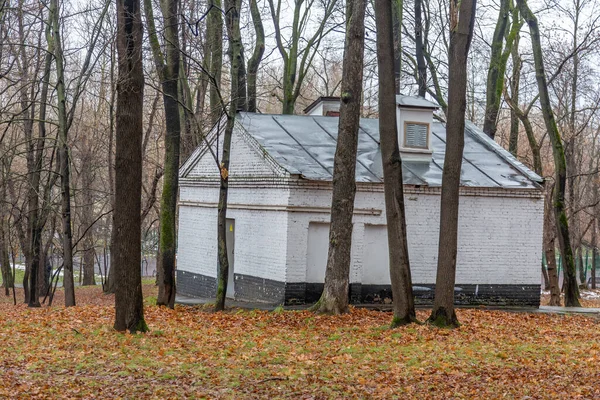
571 289
462 19
235 51
334 299
400 275
129 309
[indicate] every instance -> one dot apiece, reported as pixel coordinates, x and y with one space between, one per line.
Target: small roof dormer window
414 117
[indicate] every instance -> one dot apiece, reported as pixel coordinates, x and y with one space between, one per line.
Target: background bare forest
58 83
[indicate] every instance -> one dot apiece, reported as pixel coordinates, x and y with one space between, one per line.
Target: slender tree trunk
419 50
215 38
235 52
63 151
168 67
513 141
545 276
550 249
89 252
493 76
462 17
571 289
594 251
7 276
582 267
400 276
129 309
110 286
334 299
397 15
254 61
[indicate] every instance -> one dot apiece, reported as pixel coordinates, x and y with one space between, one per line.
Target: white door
318 247
376 264
230 239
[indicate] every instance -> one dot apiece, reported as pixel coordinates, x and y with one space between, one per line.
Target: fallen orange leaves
189 352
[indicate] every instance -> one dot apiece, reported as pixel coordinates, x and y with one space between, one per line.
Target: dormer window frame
427 139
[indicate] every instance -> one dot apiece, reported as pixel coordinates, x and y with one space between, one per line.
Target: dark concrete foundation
250 288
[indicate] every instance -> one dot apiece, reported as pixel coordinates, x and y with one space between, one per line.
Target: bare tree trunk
63 151
400 276
571 289
493 78
235 51
594 251
254 61
545 276
397 15
129 308
462 17
513 141
215 38
334 299
110 286
549 248
168 68
419 50
7 276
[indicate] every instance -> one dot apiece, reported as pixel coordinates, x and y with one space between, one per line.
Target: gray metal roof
415 102
305 145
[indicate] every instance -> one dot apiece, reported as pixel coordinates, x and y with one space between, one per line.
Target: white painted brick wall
260 235
499 237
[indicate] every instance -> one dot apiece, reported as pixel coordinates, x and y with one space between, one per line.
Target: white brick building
280 195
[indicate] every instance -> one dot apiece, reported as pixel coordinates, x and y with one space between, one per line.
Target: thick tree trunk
400 275
129 309
571 289
334 299
235 52
462 17
254 61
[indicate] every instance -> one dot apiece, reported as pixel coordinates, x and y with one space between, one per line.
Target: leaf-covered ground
191 353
